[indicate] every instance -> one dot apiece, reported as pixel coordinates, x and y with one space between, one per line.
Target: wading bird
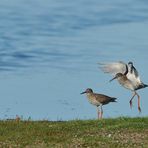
98 100
127 76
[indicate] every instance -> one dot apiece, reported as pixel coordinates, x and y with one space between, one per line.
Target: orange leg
100 113
131 104
138 103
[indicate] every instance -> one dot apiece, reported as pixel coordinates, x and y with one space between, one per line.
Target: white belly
127 84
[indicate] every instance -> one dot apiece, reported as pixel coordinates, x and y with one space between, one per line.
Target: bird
127 75
98 100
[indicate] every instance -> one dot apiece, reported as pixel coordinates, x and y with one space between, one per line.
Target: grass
106 133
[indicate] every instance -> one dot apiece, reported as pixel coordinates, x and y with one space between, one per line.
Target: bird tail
113 99
142 86
145 85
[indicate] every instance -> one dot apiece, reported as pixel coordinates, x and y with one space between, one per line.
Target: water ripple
33 33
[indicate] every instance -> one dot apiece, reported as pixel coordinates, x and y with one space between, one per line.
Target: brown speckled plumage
98 99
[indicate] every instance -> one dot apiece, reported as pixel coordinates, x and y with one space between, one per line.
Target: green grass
107 133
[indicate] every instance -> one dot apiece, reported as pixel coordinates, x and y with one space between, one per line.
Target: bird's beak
83 92
113 79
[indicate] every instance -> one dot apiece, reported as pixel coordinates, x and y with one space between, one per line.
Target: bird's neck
89 95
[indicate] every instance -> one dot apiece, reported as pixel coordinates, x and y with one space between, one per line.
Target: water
49 52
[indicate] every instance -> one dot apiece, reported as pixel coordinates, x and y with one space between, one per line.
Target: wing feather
133 75
113 67
121 67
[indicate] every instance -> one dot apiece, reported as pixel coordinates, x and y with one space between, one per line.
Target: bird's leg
98 112
132 99
138 103
101 112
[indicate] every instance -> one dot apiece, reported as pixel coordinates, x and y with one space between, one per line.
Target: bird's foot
131 104
139 109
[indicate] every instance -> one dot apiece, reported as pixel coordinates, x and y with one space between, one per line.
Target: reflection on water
62 41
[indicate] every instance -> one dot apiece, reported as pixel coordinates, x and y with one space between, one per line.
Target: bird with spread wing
127 75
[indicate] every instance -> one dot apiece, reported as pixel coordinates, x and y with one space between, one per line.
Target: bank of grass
107 133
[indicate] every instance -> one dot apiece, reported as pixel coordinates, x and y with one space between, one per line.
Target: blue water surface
49 52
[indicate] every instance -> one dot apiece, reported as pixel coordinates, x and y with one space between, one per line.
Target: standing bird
98 100
127 76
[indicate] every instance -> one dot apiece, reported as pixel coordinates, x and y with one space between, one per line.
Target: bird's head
130 63
88 90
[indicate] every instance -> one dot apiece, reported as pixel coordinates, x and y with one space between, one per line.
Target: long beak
83 92
113 79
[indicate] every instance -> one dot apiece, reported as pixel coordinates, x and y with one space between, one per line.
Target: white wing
113 67
135 80
121 67
133 75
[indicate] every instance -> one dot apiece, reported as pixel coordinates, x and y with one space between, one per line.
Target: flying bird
127 75
98 100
